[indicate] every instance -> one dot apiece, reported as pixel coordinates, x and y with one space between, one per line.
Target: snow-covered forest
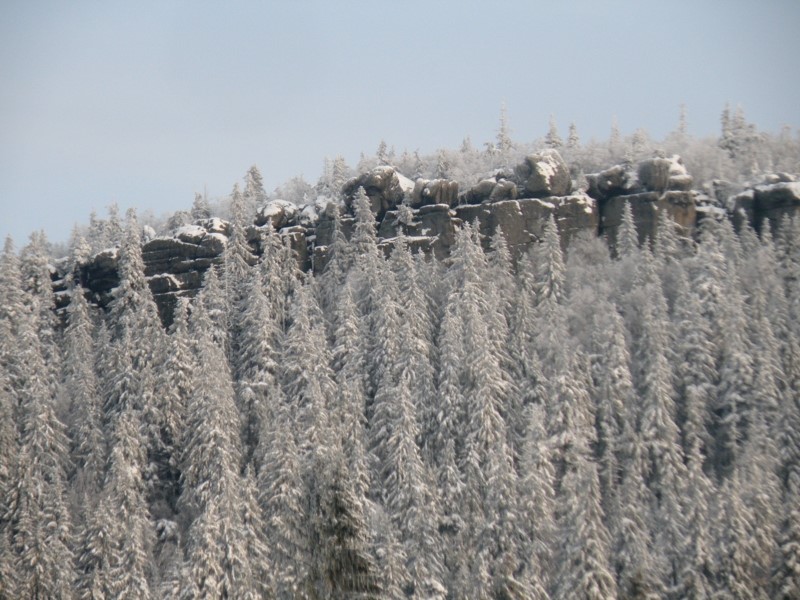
575 423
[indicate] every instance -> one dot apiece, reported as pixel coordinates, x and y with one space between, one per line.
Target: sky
145 103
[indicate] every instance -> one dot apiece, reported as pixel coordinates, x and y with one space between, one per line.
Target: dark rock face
175 266
772 201
100 276
615 181
385 187
777 196
544 174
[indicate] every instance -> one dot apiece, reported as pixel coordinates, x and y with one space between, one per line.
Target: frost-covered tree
406 491
201 209
583 568
305 373
84 397
553 139
257 359
341 564
283 500
116 557
223 548
254 194
35 269
613 395
349 359
39 523
537 503
663 462
175 385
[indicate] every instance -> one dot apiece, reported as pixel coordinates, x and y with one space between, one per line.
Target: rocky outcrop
437 191
771 202
278 213
776 196
522 221
492 189
517 201
654 185
662 174
544 174
385 187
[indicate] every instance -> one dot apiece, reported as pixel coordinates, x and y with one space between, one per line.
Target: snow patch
405 183
190 233
274 208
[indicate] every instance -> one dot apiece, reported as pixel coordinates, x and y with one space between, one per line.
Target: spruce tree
222 554
537 502
283 500
84 397
583 570
40 525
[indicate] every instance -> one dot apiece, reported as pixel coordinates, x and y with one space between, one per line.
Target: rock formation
517 201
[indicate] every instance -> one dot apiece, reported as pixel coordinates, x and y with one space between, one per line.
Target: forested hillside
593 427
542 423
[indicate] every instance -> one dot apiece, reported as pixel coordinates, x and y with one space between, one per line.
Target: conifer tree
406 489
282 497
37 282
175 386
583 570
639 570
236 262
8 461
663 462
254 194
119 539
416 350
627 242
222 554
614 401
83 393
737 549
787 577
341 565
349 359
39 521
257 360
305 373
201 209
537 502
552 139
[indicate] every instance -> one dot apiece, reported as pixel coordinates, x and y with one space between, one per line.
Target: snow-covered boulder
662 174
544 174
614 181
281 213
493 189
216 225
193 234
308 216
385 187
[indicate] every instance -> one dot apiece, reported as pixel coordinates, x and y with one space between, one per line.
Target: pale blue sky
144 103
